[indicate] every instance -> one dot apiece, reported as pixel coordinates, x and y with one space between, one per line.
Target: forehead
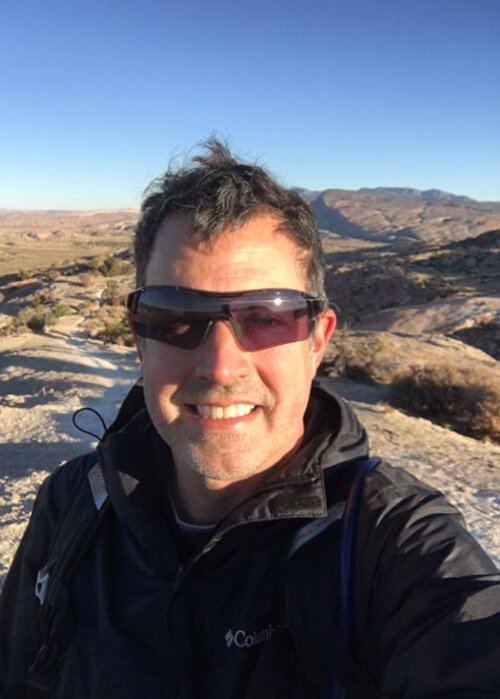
256 255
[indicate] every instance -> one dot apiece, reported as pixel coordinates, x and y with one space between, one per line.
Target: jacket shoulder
52 502
57 490
421 578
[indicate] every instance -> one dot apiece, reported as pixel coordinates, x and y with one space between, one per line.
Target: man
223 565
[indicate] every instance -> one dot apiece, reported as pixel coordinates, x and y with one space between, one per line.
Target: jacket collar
136 463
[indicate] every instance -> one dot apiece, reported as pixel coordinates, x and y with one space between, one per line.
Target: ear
137 339
325 325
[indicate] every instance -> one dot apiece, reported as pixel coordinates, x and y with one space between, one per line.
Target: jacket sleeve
19 607
427 596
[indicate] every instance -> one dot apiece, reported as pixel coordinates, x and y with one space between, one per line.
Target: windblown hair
217 192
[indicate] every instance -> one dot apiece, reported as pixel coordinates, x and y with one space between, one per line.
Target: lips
227 412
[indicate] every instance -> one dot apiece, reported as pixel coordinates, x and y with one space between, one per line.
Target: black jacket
253 610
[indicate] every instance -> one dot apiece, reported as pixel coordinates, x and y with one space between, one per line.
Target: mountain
430 194
401 214
308 194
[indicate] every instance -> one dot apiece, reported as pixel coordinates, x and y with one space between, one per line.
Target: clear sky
97 95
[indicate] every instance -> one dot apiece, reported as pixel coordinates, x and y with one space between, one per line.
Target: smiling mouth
227 412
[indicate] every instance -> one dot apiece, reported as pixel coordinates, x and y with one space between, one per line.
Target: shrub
464 400
110 266
22 316
111 294
40 299
94 263
117 333
61 310
357 357
32 318
36 323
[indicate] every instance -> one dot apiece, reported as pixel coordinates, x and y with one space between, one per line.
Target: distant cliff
390 214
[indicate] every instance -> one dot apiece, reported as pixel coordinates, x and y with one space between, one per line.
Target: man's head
230 404
217 192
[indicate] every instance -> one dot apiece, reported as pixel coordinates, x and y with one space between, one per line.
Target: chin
214 471
218 465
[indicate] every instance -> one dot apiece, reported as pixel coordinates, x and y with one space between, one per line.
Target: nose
220 359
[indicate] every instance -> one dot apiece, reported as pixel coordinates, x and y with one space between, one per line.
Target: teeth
217 412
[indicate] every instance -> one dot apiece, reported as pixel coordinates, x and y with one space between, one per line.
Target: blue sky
97 95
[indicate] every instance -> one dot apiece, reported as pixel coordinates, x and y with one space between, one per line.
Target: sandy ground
45 378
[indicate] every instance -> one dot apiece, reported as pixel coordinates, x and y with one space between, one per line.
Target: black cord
81 429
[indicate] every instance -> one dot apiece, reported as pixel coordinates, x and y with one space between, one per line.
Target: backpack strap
347 550
347 513
347 561
74 535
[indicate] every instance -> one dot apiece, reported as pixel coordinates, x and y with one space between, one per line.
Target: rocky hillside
397 214
452 288
88 293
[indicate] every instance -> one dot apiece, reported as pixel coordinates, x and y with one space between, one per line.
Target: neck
202 500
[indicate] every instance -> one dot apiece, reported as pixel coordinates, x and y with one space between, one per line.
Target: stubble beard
224 456
220 457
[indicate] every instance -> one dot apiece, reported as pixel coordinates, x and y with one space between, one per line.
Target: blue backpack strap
347 560
346 514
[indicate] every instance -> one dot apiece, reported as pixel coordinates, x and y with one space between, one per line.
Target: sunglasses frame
220 309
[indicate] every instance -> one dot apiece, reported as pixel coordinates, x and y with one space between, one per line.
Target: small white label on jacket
97 486
42 580
244 639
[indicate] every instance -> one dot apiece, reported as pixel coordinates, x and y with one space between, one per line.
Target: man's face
227 413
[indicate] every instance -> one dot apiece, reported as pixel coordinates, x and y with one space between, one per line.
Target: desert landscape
416 280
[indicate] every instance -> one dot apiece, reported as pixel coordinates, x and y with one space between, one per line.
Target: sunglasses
260 319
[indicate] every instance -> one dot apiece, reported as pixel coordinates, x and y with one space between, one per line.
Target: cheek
288 370
162 368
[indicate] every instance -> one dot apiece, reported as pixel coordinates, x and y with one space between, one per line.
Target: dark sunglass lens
178 333
267 323
160 315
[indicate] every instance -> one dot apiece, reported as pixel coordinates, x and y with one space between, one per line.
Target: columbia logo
242 639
